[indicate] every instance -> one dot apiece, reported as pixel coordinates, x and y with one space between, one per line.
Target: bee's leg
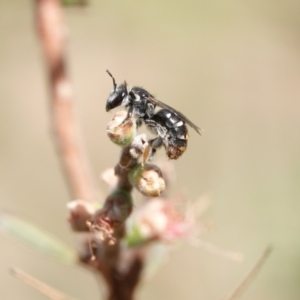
129 115
139 122
150 110
155 144
130 112
150 151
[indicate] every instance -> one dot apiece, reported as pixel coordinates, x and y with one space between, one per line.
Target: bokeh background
233 67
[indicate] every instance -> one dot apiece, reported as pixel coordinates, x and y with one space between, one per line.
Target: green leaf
74 2
134 237
34 237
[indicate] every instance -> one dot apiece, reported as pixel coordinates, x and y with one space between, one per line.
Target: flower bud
147 179
121 130
79 213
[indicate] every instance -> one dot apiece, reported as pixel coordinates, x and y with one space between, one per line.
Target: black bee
167 123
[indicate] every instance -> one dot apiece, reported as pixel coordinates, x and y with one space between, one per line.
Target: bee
168 124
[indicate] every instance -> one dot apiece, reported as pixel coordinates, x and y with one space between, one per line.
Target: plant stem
52 33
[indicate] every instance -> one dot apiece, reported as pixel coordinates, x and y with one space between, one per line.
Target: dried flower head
147 179
121 130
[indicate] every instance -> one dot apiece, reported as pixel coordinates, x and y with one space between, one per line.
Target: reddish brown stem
51 29
52 35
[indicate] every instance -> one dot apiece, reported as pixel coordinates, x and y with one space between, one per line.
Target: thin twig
249 278
211 248
40 286
52 33
51 29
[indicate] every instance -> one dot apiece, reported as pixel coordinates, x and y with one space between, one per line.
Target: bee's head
117 95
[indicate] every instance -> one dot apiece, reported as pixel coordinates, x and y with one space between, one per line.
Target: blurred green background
233 67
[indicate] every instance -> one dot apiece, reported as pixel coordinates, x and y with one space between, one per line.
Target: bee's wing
178 113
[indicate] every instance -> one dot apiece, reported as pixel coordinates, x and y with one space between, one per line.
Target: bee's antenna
113 79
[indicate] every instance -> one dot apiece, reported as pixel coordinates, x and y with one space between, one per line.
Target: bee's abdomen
173 132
